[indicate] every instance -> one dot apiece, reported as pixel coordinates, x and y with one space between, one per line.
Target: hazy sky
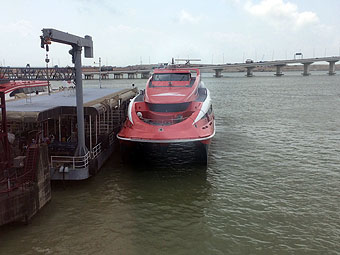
129 32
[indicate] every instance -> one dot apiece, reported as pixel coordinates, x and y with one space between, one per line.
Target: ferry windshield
171 77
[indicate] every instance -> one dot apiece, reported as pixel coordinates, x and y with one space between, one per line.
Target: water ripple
272 185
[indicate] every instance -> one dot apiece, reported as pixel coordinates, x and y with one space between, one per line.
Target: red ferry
175 107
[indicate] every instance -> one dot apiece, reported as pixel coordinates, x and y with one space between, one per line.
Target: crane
77 43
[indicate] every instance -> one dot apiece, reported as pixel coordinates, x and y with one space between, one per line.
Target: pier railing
14 182
16 179
96 151
80 161
112 138
68 161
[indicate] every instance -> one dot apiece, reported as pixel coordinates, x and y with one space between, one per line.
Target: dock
45 131
66 134
55 117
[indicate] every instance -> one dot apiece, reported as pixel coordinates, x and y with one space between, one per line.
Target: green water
272 185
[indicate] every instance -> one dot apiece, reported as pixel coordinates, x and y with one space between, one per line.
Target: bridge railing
37 73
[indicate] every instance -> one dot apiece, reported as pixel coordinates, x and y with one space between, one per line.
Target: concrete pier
21 204
118 76
306 68
105 76
132 75
250 71
89 76
145 75
279 70
218 73
331 67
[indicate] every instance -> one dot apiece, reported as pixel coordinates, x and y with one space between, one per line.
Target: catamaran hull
174 111
186 152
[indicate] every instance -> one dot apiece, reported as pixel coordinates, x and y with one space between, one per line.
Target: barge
54 118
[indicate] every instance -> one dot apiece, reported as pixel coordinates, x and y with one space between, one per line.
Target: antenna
187 60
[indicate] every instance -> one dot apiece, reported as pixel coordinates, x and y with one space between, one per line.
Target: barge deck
55 118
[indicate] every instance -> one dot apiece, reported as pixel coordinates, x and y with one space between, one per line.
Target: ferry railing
75 162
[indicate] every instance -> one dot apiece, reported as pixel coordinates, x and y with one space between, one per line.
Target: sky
131 32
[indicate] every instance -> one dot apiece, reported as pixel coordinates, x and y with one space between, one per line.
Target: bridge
37 73
249 67
65 74
129 74
279 64
68 73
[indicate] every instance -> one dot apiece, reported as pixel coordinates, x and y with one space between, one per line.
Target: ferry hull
174 109
172 153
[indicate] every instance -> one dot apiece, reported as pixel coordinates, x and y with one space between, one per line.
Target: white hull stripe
166 141
130 109
204 109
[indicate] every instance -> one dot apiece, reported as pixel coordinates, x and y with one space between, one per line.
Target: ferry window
180 77
161 77
171 77
169 107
